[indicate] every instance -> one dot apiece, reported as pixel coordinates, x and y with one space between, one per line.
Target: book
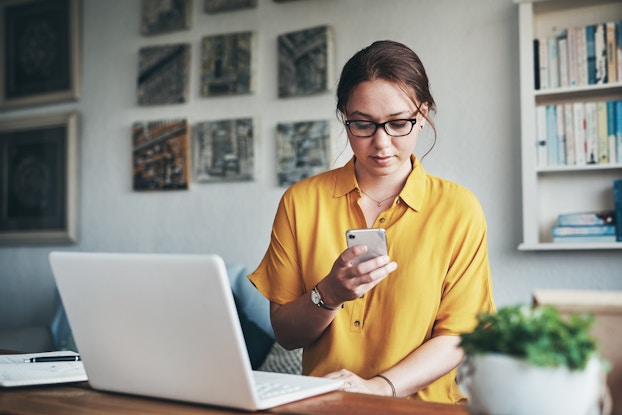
561 134
619 48
579 132
611 131
562 52
602 133
544 63
15 371
606 217
551 136
581 56
553 62
572 56
610 36
584 230
618 126
600 52
568 129
584 239
591 134
536 64
617 204
541 148
590 57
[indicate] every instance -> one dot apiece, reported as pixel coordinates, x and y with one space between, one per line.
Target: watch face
315 297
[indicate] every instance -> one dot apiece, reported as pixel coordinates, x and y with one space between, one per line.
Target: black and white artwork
161 155
303 150
223 150
218 6
164 16
226 64
305 59
163 74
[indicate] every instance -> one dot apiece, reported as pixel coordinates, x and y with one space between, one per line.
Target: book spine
618 123
562 51
541 148
588 230
586 218
617 202
619 48
591 138
572 56
553 57
581 56
561 135
611 132
601 131
536 64
612 70
579 132
569 129
586 238
544 63
600 49
551 136
590 47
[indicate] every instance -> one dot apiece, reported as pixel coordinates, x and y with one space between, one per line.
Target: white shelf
553 190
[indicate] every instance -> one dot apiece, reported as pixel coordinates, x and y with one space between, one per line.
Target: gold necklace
378 202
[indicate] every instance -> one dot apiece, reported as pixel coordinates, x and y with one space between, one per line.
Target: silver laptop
166 326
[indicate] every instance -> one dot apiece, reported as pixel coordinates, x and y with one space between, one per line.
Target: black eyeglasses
395 128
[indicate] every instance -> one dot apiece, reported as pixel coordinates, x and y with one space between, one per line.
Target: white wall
470 49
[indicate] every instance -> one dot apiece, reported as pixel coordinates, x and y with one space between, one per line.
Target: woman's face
381 154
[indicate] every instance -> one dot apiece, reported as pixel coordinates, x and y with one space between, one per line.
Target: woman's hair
391 61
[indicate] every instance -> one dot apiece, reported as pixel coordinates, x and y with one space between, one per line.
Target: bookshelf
554 189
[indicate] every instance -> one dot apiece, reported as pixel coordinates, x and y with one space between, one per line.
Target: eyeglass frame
412 121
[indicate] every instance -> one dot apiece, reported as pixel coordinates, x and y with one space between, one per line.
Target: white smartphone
374 238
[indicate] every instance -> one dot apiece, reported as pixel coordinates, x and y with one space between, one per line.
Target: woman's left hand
354 383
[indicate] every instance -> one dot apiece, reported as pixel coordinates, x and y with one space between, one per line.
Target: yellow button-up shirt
436 232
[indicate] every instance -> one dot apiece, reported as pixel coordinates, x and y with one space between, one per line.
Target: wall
470 50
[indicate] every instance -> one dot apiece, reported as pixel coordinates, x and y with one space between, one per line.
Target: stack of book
582 227
596 226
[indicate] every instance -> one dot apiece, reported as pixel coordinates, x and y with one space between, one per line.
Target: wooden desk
81 399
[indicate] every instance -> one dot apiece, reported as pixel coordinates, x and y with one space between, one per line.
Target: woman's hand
354 383
347 282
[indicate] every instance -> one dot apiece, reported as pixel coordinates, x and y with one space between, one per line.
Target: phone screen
374 238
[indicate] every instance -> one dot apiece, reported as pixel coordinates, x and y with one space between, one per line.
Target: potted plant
523 360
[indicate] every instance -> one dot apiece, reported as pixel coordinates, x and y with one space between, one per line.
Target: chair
606 307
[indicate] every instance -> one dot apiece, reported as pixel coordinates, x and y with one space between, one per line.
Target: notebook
166 326
17 369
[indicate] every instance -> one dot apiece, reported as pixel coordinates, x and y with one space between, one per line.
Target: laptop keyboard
271 389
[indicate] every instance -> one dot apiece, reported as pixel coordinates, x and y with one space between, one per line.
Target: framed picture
223 150
305 61
164 16
163 74
161 155
218 6
39 180
303 150
39 52
227 64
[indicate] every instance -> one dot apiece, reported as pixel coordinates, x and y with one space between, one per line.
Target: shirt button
357 323
381 220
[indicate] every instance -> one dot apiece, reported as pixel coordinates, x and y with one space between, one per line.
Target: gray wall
470 49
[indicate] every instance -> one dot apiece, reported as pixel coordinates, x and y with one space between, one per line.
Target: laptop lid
160 325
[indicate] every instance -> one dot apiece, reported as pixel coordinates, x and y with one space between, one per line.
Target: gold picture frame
39 180
39 52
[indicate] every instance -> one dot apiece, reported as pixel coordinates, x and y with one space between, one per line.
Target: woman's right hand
347 281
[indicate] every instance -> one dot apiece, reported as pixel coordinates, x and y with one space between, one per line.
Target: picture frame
219 6
165 16
39 180
163 74
303 150
161 155
223 150
39 52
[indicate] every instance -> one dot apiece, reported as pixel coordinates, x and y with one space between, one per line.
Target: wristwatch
316 297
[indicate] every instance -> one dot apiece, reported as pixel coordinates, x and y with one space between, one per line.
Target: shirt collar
412 194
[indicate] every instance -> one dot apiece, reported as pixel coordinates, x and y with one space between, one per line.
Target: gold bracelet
389 382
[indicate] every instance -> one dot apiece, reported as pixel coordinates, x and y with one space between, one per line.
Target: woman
389 325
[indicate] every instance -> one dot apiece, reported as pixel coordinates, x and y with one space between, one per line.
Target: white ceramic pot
498 384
